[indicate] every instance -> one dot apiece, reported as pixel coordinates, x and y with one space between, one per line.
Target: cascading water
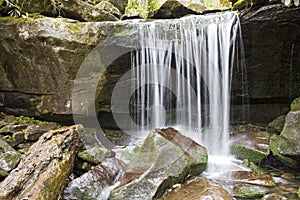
182 77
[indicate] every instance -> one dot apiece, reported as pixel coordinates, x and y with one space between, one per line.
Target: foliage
28 120
288 3
14 7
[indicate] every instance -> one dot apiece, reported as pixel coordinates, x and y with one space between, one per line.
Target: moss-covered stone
245 152
95 155
276 125
298 193
9 158
274 145
249 191
295 104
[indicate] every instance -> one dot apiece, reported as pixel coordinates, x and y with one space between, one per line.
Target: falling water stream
182 72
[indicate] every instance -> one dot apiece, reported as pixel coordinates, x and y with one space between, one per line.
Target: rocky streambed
45 160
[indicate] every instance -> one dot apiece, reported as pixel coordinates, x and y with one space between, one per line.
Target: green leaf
288 3
296 2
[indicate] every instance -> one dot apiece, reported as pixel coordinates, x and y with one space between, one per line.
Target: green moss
73 27
295 104
248 192
28 120
248 153
298 193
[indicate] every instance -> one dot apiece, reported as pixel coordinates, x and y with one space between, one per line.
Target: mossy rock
276 125
251 154
295 104
298 193
95 155
9 158
249 191
274 144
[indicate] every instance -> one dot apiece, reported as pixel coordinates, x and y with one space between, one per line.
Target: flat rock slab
43 170
200 189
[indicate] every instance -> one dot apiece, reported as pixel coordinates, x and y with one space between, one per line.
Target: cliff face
39 60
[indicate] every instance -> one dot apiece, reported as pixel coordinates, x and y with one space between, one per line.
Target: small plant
14 7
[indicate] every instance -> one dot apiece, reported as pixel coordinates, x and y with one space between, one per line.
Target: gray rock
165 158
249 191
42 172
9 158
93 183
11 129
33 132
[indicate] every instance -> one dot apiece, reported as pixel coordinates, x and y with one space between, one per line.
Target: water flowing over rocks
42 171
165 158
92 184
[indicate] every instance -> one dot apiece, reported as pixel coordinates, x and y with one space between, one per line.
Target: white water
182 73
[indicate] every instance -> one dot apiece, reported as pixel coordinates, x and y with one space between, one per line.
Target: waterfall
182 77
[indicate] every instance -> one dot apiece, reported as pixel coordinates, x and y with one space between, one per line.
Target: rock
73 9
108 7
95 155
271 83
91 184
165 158
274 144
298 193
126 154
249 191
273 197
248 177
295 105
120 4
252 146
276 125
175 9
200 189
9 158
168 9
27 46
2 124
289 140
42 172
33 132
11 129
19 137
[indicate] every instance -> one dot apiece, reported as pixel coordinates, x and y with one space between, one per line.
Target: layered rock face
39 60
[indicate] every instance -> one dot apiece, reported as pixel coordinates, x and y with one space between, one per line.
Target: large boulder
271 41
288 143
43 170
165 158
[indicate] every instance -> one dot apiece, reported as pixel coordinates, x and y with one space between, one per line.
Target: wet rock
248 177
271 83
95 155
253 146
199 188
165 158
249 191
295 105
42 171
276 125
127 153
33 132
91 184
9 158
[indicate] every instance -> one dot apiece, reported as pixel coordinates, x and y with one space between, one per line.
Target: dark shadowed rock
165 158
276 125
42 171
33 132
200 189
91 184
